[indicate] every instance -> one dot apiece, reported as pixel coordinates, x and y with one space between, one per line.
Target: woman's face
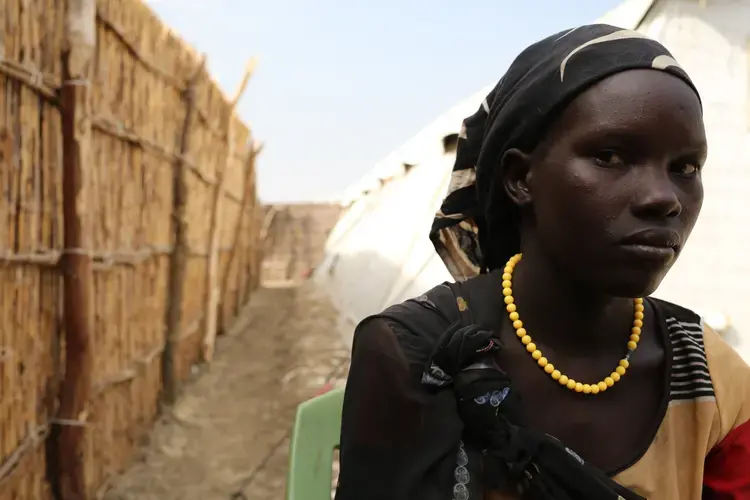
615 189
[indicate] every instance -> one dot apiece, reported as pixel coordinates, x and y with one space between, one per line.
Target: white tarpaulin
383 236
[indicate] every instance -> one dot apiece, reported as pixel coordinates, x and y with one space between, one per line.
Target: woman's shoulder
705 368
675 313
689 333
415 324
730 376
696 344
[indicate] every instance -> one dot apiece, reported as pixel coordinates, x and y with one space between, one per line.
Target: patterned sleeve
727 467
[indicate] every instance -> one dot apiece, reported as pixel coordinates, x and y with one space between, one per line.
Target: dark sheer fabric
390 424
429 416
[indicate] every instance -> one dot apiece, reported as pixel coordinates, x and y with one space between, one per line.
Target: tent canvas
383 234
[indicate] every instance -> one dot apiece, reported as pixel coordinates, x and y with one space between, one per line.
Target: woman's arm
727 468
392 431
727 472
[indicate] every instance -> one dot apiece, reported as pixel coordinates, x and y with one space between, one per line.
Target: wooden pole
250 242
212 276
295 247
69 438
178 259
247 194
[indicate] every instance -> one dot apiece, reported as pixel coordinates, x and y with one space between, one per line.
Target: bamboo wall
88 245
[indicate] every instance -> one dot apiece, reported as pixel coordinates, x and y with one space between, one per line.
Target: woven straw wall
106 115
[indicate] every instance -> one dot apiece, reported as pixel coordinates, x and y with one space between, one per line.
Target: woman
547 371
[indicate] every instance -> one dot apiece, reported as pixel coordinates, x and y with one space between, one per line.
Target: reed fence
128 234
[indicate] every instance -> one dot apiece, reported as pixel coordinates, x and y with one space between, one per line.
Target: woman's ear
515 166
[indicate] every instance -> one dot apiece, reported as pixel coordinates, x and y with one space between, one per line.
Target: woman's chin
633 284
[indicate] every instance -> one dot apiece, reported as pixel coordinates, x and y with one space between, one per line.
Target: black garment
476 228
429 416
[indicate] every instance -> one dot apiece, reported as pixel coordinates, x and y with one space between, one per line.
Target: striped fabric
691 379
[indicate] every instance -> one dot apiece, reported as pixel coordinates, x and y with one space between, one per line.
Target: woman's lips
650 252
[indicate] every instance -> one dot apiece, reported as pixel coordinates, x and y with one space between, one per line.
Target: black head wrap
477 226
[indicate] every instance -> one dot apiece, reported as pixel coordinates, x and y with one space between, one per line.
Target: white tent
388 244
383 233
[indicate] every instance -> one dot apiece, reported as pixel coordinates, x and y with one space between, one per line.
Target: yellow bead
549 368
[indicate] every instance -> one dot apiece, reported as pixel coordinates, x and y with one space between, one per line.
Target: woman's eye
609 158
687 169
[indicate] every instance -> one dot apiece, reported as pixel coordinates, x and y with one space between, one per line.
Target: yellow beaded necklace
548 367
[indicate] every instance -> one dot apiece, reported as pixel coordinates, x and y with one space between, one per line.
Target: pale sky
341 83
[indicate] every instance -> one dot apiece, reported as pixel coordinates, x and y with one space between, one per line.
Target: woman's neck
564 315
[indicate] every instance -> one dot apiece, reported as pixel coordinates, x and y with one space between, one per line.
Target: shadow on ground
227 438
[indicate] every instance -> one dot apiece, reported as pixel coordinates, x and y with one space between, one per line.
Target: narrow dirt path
227 438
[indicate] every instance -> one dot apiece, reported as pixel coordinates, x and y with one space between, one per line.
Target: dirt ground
228 436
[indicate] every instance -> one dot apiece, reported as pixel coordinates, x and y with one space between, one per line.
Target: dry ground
227 438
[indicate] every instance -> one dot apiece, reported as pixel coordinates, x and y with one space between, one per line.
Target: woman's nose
656 194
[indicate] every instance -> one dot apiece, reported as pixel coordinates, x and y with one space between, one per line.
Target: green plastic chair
316 433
